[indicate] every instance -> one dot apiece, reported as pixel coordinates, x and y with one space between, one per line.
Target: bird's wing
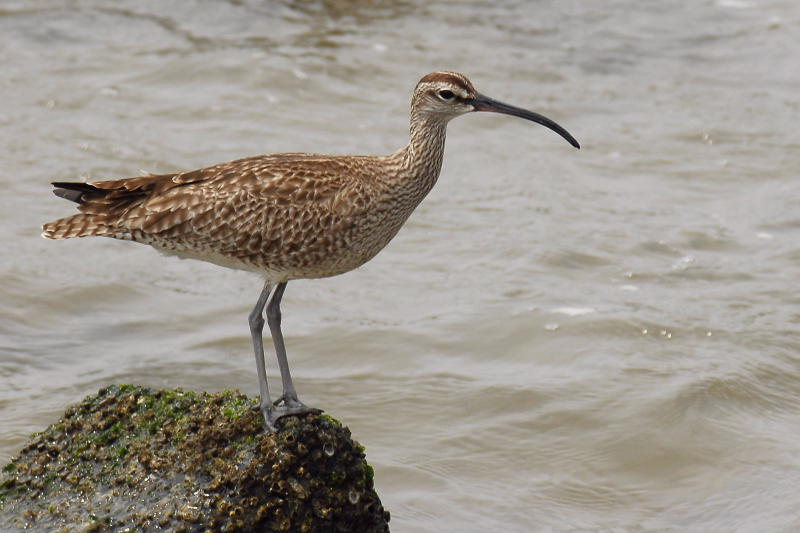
269 202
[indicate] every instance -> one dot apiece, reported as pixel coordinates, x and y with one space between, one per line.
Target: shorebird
284 216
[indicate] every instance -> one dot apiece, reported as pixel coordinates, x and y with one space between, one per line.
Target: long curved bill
484 103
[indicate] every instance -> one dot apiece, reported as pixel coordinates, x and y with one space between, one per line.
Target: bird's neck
420 162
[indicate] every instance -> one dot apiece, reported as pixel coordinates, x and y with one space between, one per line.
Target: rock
135 459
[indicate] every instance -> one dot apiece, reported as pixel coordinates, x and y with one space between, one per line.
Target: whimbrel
284 216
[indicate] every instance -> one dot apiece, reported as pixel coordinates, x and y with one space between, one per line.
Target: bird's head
443 96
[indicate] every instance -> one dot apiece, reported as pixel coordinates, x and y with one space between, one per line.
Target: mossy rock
135 459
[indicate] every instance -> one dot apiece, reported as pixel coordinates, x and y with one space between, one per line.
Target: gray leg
256 330
291 405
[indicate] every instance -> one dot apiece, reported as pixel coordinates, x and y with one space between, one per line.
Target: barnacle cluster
135 459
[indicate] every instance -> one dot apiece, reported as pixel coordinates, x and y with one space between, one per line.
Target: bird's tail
80 225
76 226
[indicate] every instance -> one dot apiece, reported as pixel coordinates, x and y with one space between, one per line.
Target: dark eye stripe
447 95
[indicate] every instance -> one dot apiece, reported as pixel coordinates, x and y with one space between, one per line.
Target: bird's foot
292 406
291 401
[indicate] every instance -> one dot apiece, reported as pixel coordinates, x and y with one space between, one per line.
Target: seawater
558 340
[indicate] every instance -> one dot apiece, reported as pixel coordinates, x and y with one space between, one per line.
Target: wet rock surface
134 459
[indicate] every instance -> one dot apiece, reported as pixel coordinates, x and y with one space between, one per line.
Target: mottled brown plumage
284 216
287 216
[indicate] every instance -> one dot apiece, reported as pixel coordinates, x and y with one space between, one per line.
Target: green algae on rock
135 459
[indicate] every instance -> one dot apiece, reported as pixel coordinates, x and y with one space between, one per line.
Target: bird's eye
446 95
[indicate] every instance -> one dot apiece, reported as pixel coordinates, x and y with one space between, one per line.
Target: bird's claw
292 402
292 406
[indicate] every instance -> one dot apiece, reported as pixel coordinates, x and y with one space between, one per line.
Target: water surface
558 340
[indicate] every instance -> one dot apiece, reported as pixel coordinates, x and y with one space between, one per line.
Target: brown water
558 340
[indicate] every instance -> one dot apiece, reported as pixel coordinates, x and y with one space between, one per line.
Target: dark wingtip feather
72 191
72 196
